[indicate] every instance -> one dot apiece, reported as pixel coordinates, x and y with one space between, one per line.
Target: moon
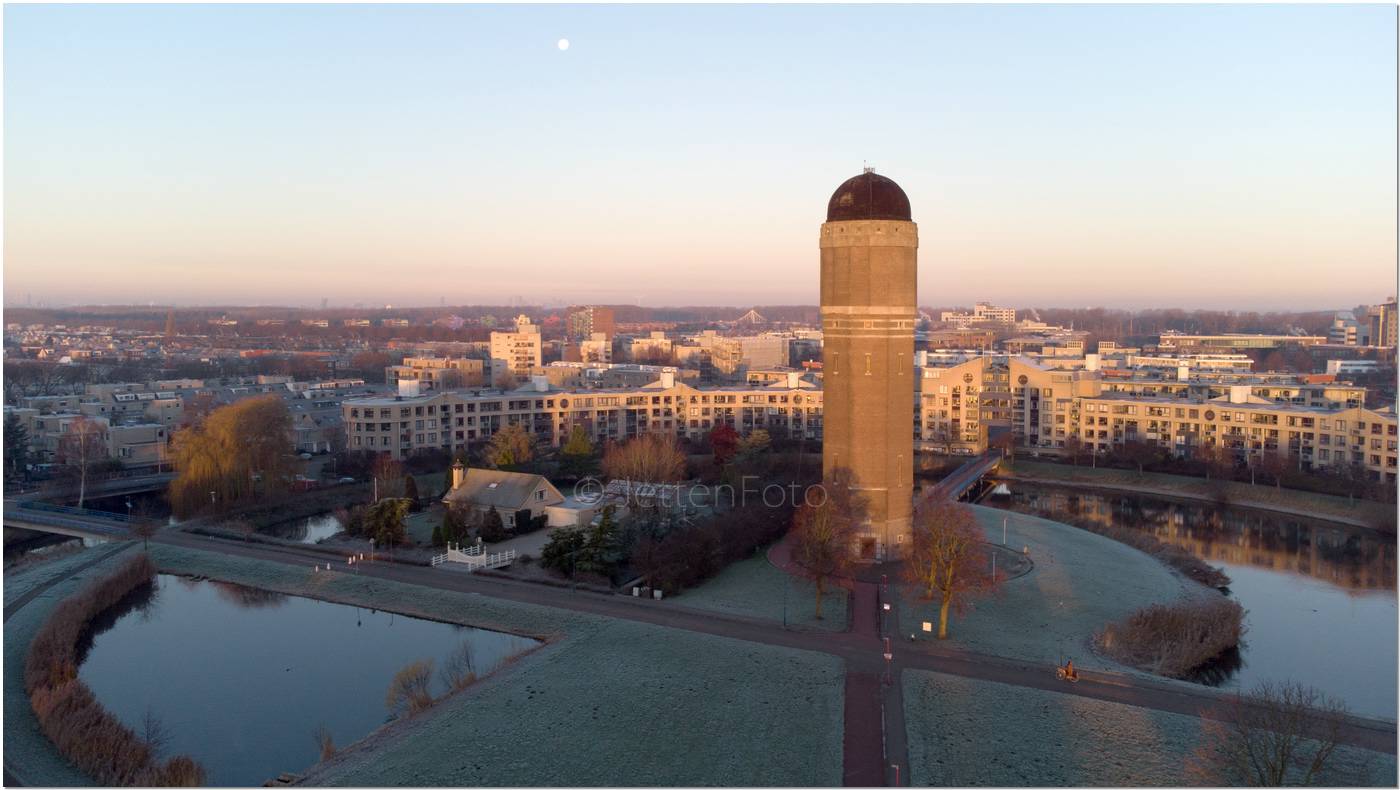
563 45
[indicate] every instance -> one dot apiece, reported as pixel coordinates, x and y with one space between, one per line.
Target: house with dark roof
516 496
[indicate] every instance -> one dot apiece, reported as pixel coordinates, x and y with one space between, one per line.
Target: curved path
874 705
861 649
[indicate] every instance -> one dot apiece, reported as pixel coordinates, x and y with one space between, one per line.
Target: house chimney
459 472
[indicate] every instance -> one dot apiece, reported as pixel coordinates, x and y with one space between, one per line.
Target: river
1320 597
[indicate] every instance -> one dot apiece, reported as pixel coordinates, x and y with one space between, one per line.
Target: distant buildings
982 313
438 373
1182 342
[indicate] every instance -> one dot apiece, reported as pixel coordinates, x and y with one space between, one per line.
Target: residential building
1174 340
515 496
1381 322
437 373
515 353
583 323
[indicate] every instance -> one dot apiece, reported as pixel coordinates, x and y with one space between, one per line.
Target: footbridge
66 520
968 482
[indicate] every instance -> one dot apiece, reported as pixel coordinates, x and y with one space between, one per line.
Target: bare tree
459 670
1278 734
946 557
409 690
823 543
145 529
324 742
153 733
82 447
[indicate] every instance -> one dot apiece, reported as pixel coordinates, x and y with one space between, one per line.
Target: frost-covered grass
20 581
606 702
755 588
626 705
28 752
976 733
1080 583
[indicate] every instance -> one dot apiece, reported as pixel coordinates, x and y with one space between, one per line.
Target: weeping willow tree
238 452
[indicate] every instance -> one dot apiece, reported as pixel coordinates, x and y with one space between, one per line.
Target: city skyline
1201 157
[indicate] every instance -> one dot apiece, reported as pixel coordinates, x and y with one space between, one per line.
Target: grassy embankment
67 710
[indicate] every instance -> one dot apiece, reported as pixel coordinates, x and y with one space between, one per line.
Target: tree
724 443
577 453
562 551
1139 453
410 492
437 537
510 448
945 557
459 670
224 457
601 552
1278 734
1074 448
649 458
409 690
823 542
454 527
145 529
492 528
81 448
384 521
386 471
758 441
16 448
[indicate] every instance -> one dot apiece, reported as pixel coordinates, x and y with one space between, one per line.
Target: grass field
755 588
966 732
606 702
28 752
1080 582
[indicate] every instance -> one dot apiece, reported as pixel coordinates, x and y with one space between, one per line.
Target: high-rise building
1381 321
584 322
869 261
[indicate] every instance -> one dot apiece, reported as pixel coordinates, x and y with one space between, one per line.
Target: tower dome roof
868 196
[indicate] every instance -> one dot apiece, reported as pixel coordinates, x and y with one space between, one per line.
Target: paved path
860 651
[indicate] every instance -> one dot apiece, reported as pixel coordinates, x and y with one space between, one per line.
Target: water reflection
242 678
1319 598
311 530
1352 559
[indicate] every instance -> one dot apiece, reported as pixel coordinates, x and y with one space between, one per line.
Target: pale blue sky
1213 156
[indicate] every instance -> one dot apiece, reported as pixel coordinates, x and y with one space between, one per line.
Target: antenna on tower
867 167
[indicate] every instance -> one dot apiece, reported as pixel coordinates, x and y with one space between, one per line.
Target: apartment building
654 346
597 348
515 353
1381 324
731 356
583 323
1189 363
1245 427
438 373
453 420
134 444
948 407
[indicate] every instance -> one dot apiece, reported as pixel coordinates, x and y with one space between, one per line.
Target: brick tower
869 253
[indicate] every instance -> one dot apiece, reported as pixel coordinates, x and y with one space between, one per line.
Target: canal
1320 597
241 678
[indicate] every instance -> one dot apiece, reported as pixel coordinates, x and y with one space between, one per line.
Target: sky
1230 157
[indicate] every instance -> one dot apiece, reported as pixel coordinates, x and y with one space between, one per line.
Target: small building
514 495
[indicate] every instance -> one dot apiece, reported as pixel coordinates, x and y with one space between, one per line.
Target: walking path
874 739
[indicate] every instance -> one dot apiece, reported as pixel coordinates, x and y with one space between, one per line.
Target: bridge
66 520
968 481
122 484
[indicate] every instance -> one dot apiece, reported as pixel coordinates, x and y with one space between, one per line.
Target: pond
241 678
1320 597
309 530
